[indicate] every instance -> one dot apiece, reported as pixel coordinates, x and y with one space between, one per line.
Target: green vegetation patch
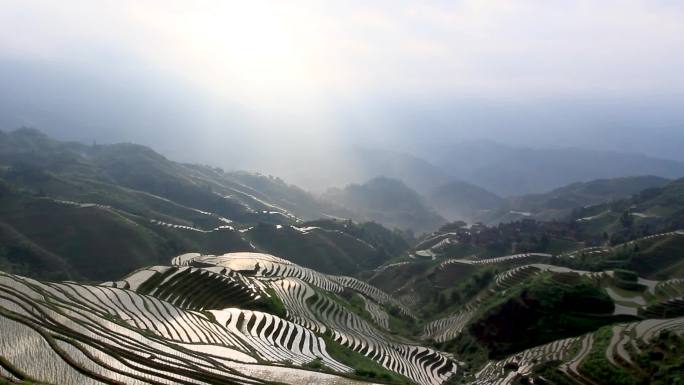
272 304
663 361
549 307
353 302
468 350
402 324
456 289
316 364
549 371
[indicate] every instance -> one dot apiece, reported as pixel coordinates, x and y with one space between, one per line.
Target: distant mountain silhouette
387 201
510 171
460 200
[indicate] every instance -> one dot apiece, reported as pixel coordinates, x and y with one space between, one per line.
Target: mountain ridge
507 170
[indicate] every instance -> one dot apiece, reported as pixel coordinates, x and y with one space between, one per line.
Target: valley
122 267
341 192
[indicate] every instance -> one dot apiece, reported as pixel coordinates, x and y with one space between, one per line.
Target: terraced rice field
602 250
665 309
263 266
371 292
81 205
654 236
595 276
623 305
599 250
277 338
295 295
571 366
629 336
572 351
190 228
495 373
187 324
85 334
382 269
192 288
379 315
302 292
433 240
510 278
448 328
218 218
496 260
319 312
437 245
670 288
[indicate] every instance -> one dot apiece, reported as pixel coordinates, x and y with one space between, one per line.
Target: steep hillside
71 211
386 201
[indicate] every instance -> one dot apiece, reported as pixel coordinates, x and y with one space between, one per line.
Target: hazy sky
232 81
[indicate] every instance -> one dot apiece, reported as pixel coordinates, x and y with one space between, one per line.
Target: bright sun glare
257 49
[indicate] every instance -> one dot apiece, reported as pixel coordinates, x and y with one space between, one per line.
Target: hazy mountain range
392 188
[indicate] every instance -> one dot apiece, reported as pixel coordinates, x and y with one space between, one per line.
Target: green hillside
71 211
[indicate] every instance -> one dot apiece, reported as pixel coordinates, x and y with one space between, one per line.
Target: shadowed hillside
387 201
